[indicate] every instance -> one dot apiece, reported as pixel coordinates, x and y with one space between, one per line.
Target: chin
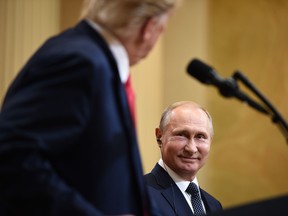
189 167
135 60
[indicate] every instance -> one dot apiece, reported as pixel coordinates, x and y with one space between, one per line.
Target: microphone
227 87
207 75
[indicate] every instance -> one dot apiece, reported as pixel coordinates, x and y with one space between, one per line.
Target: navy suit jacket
169 199
67 140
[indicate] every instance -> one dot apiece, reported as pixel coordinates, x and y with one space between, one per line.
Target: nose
191 147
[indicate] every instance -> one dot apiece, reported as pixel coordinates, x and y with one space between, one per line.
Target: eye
201 136
181 134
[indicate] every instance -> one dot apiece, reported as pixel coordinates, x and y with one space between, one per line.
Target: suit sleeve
43 116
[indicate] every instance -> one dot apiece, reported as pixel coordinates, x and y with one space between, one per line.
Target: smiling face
185 140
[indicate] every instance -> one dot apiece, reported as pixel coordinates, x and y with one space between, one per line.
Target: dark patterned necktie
193 190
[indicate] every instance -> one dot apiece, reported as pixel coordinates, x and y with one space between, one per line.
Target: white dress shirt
118 50
182 184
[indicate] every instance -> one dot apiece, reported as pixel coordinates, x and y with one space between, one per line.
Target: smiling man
184 137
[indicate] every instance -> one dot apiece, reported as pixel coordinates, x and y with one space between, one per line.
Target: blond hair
124 15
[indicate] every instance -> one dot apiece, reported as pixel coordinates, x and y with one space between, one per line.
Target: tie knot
192 189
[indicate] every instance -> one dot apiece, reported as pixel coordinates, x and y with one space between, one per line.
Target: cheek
146 49
167 147
172 149
205 149
149 44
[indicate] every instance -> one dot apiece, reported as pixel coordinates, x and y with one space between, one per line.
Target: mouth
190 159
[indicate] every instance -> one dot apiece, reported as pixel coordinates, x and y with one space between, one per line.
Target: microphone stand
274 114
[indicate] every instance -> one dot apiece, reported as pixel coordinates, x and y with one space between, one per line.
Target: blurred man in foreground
67 139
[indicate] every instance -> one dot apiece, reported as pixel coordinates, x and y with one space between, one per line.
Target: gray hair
165 117
122 15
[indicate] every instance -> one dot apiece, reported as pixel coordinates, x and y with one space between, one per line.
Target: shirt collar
182 184
118 50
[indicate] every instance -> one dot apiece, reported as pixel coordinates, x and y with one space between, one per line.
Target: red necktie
131 98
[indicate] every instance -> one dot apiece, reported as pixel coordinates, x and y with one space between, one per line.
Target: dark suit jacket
169 199
67 140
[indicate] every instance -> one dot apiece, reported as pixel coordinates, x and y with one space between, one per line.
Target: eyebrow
179 131
186 131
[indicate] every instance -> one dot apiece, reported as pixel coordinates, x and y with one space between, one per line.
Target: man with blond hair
68 144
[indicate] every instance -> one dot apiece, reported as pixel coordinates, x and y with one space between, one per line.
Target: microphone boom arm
275 115
229 88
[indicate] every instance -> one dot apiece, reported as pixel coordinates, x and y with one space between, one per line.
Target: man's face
186 141
147 38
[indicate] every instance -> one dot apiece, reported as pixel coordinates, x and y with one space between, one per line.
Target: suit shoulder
211 199
149 177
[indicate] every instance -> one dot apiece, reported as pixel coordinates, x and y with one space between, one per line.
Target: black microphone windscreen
200 71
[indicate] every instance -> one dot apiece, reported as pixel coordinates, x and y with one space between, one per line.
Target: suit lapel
208 202
122 101
171 192
118 85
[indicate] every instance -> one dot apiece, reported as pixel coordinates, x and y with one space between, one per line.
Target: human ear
158 135
152 26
